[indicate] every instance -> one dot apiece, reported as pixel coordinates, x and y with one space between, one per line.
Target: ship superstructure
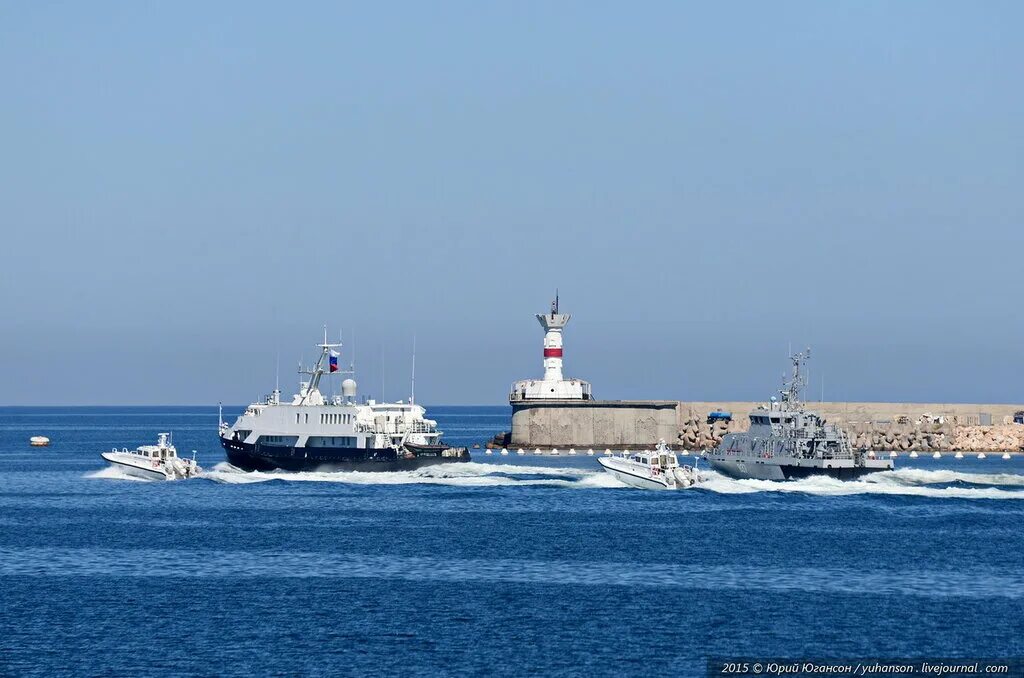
554 386
314 432
787 441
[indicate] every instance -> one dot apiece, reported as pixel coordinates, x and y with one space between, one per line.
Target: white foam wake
465 474
909 482
916 476
111 473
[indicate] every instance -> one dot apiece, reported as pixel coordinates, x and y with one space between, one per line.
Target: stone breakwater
882 427
698 435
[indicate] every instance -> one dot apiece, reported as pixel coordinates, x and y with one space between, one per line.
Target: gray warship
786 441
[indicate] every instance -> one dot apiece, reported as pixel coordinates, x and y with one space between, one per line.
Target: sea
505 565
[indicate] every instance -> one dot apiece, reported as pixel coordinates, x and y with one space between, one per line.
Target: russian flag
334 361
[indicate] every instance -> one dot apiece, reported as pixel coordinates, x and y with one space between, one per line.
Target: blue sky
188 190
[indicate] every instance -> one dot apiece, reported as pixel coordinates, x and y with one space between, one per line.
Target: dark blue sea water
503 566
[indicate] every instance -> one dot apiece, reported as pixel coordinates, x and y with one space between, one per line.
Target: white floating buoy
684 453
893 454
607 452
520 451
504 452
572 450
537 451
937 455
913 455
38 441
488 451
554 451
1006 455
958 455
590 452
981 455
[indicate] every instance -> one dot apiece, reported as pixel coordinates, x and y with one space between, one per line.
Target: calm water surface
505 565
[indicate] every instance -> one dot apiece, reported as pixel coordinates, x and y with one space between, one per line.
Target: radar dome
348 388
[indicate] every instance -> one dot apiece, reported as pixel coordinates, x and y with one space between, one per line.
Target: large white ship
314 432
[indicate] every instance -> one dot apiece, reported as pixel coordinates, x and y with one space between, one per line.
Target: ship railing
396 428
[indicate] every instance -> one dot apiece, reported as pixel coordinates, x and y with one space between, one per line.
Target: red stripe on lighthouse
552 353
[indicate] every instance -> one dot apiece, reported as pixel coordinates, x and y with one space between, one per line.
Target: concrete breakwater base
635 424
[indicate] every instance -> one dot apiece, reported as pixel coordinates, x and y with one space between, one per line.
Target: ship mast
318 370
412 394
791 390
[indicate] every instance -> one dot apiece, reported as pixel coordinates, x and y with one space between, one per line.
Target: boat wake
908 482
111 473
467 474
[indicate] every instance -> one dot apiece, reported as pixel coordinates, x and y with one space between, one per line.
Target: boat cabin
656 459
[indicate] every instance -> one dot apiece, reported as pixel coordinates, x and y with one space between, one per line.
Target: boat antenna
220 415
412 395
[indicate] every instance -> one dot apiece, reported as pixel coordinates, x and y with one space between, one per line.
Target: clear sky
189 189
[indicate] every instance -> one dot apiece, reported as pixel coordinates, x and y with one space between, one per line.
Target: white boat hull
632 478
134 468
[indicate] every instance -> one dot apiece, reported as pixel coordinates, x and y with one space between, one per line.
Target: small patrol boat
787 441
656 469
153 462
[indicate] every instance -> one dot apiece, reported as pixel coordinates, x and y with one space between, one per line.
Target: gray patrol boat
787 442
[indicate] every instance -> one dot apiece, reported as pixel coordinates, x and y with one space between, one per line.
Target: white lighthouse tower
554 386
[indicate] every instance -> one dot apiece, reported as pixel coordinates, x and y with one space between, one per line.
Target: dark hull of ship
752 469
798 472
258 457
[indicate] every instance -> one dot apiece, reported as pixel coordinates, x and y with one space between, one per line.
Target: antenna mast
318 370
412 395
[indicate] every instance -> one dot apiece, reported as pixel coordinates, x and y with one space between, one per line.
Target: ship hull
136 470
766 470
257 457
633 477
